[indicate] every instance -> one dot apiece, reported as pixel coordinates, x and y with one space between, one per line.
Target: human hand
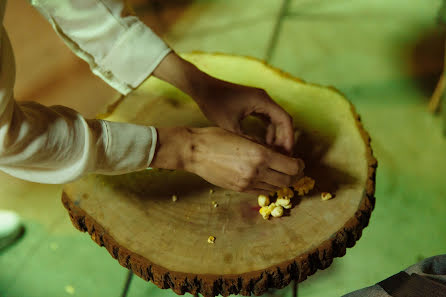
225 159
227 104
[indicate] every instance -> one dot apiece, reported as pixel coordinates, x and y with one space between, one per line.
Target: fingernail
301 164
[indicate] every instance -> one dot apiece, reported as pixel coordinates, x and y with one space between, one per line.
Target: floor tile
59 265
235 27
359 42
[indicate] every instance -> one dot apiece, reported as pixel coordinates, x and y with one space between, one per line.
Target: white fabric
56 144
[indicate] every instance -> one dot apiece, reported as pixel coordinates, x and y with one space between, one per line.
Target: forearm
57 145
185 76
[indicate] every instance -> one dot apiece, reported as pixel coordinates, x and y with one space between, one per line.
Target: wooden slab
165 242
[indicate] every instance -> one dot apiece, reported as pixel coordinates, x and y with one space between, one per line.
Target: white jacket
56 144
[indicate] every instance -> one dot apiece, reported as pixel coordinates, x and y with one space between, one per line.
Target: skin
223 155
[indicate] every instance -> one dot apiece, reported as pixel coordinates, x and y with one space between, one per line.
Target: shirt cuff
153 146
125 148
133 57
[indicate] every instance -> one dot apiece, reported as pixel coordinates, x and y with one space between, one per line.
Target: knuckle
244 185
260 155
296 166
237 188
300 165
251 173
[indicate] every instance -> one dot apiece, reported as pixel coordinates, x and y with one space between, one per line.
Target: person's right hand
225 159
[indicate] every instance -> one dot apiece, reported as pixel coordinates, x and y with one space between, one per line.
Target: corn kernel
271 206
326 196
174 198
211 239
211 191
265 212
283 201
304 185
263 200
214 203
285 193
277 211
287 206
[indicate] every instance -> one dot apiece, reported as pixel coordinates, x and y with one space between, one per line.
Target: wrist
173 148
185 76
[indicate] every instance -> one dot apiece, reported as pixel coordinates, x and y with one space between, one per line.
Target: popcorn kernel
277 211
287 206
263 200
285 193
326 196
283 201
271 206
265 212
304 185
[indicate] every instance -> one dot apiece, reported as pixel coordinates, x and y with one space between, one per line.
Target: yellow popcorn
326 196
265 212
287 206
211 191
277 211
174 198
263 200
285 193
283 202
211 239
304 185
214 203
271 206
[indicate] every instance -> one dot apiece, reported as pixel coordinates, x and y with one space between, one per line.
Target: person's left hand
227 104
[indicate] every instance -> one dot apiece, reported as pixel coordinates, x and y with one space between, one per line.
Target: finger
277 179
236 128
283 124
257 192
285 164
270 134
265 186
284 134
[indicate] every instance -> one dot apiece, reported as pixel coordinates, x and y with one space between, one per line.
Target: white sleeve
56 145
120 49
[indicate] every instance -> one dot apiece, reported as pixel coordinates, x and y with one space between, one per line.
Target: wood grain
165 242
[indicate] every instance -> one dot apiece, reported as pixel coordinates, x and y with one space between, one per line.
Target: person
426 278
57 145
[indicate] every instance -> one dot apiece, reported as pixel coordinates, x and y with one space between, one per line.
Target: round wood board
165 242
